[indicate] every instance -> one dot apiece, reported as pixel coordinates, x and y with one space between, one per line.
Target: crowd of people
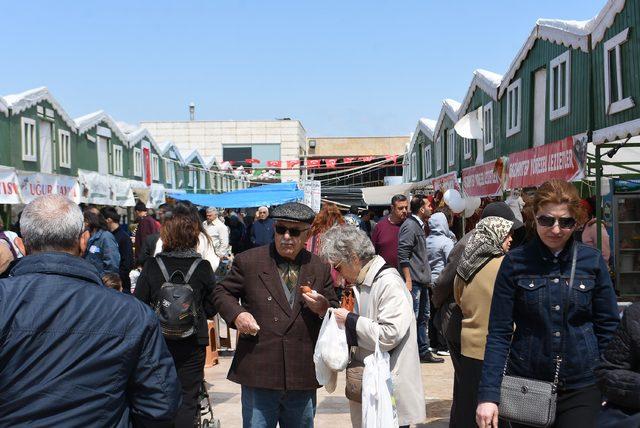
521 294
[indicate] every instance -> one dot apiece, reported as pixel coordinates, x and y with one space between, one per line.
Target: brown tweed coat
280 356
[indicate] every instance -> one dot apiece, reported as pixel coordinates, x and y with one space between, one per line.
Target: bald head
51 223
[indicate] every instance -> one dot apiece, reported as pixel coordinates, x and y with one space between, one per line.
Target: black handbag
530 401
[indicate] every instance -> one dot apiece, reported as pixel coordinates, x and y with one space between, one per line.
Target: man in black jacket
124 245
414 266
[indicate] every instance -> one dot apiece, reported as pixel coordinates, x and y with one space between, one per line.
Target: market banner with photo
122 192
483 180
95 188
156 196
312 194
446 182
564 160
37 184
9 187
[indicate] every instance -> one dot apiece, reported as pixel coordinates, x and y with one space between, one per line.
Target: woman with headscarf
473 290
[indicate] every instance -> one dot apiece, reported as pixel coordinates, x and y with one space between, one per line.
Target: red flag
276 164
251 160
292 163
365 158
147 165
331 163
348 160
313 163
394 158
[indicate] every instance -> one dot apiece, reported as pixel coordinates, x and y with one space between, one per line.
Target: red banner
275 164
446 182
482 180
147 166
313 163
252 160
292 163
365 158
563 160
348 160
331 163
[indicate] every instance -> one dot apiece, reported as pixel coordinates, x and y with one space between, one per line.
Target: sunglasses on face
294 233
549 221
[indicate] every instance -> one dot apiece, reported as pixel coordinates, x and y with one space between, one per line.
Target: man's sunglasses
563 222
294 233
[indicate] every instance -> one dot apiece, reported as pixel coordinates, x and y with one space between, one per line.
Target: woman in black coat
619 374
179 236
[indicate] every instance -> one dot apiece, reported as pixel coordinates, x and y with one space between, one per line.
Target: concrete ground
333 409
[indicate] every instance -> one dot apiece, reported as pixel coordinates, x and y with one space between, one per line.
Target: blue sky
341 67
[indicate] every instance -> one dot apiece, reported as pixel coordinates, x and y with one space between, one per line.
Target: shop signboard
482 180
9 187
446 182
565 160
312 194
33 185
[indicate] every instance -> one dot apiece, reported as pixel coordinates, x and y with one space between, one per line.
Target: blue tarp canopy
268 194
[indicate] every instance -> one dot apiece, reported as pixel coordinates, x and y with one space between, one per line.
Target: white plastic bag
378 403
331 353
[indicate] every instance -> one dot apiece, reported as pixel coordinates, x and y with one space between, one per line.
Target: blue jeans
421 305
264 408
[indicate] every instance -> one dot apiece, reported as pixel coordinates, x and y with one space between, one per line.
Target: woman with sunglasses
541 321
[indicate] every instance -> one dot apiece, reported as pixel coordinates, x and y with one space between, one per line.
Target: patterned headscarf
484 245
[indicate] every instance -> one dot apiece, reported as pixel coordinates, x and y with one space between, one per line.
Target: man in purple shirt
385 233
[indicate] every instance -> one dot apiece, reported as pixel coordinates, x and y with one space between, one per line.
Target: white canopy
382 195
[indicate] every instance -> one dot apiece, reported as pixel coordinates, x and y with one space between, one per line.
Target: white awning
470 125
382 195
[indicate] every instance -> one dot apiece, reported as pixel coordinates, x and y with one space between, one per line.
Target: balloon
471 204
453 198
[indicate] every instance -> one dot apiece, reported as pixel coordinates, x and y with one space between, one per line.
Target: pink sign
482 180
446 182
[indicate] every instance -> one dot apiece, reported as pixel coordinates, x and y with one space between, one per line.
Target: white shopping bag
378 403
331 353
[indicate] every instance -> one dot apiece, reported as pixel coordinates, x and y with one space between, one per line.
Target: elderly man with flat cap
278 322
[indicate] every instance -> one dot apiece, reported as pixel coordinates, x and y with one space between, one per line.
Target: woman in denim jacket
532 291
101 247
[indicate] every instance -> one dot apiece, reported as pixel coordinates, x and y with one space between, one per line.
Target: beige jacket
474 300
386 303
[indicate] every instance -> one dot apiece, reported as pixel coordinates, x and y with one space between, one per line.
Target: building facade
238 141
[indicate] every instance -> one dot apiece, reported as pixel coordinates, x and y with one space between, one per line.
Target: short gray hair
213 210
51 222
341 243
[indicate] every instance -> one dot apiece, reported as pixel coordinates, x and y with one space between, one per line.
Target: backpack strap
163 269
5 238
192 269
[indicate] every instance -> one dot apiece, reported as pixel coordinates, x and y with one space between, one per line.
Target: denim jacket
531 291
102 252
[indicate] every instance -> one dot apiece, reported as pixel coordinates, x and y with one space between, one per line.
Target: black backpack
176 303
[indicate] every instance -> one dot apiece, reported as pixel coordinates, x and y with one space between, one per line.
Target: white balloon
471 204
453 198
